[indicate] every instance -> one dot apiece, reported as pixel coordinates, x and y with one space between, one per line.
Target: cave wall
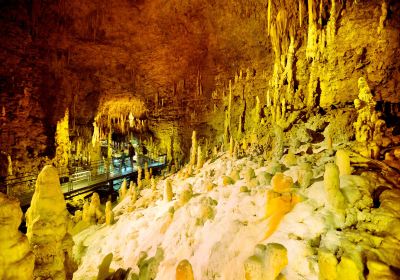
178 57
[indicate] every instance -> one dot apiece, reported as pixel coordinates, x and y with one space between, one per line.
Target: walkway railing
77 176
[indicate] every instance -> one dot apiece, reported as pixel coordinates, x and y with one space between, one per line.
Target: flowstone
280 201
47 220
16 258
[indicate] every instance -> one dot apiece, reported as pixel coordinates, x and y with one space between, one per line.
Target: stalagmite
343 162
139 178
122 190
153 184
47 220
168 194
95 213
332 187
85 212
16 258
109 213
231 145
133 192
200 158
146 171
184 271
193 150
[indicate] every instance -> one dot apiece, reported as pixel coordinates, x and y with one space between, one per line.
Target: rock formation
332 187
47 222
109 213
95 213
184 271
16 258
267 262
168 194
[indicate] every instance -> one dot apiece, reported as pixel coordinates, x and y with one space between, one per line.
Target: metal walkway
99 174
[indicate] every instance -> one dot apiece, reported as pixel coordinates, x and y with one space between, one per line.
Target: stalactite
300 12
382 18
269 16
331 26
312 31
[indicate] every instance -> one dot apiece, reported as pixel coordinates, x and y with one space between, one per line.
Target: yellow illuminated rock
332 187
95 213
123 190
226 180
343 162
348 269
327 264
184 271
47 220
267 262
276 207
281 183
109 213
168 194
16 258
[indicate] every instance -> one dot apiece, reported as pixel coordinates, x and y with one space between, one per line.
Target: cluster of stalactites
125 123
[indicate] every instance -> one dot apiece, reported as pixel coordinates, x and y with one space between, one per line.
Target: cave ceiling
79 54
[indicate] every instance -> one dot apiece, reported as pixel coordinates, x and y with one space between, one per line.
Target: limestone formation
104 267
168 194
147 173
343 162
277 206
200 158
249 174
139 178
153 184
226 180
109 213
193 150
281 183
185 195
332 187
327 264
206 210
122 190
235 175
95 213
47 220
348 269
267 262
85 212
379 271
16 258
305 175
184 271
